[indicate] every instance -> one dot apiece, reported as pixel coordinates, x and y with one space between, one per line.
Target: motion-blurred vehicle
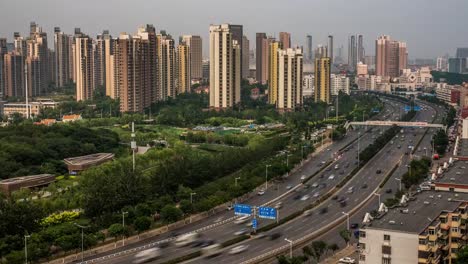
186 239
147 255
238 249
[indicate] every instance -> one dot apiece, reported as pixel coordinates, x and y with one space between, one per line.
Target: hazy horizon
430 27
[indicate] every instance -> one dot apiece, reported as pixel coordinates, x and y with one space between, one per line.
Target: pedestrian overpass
397 123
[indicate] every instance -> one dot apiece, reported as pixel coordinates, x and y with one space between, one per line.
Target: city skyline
341 25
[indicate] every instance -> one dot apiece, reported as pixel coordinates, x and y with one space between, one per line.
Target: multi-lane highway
295 201
364 184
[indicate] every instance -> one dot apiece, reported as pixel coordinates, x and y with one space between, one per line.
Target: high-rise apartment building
290 70
37 61
100 59
330 48
339 83
225 70
3 51
245 57
309 56
442 64
135 67
322 80
63 52
196 56
275 46
84 67
14 74
109 44
390 57
166 66
321 52
462 53
285 40
183 68
261 57
20 44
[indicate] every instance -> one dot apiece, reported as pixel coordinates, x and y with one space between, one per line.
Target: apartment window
387 250
362 233
455 218
455 229
362 246
386 261
386 237
362 257
431 231
422 241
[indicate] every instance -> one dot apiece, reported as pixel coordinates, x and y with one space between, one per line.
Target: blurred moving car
147 255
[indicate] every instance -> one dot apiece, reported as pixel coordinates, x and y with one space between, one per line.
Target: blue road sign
375 110
254 223
267 212
417 108
407 108
242 209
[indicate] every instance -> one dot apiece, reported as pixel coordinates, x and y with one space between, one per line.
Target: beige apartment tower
183 68
273 72
390 57
245 57
166 66
322 80
196 56
84 68
290 68
63 53
225 68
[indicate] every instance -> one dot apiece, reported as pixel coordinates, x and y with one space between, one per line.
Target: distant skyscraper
63 51
458 65
330 48
84 68
285 40
309 52
442 64
20 44
194 43
322 80
352 53
183 68
290 70
109 44
261 57
360 50
462 53
3 51
391 56
100 59
238 35
245 57
225 70
14 74
273 72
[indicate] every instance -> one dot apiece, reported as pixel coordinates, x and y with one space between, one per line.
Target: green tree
462 256
345 235
333 247
170 213
142 223
116 230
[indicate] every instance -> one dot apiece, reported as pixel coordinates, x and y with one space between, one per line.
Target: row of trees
417 171
28 149
441 141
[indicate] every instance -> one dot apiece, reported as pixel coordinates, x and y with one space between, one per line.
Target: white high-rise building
290 64
84 68
442 64
308 85
225 68
339 82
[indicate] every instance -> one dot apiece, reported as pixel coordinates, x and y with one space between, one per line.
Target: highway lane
225 231
296 229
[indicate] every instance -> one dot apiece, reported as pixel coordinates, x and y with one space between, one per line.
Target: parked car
347 260
261 192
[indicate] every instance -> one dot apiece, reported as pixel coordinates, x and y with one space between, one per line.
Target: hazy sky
430 27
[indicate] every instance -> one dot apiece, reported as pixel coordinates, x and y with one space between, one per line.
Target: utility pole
26 248
347 219
133 145
399 180
359 136
191 196
290 247
27 99
82 239
123 227
235 181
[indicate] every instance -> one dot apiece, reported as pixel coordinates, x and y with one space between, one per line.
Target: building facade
289 80
339 83
261 57
84 67
391 57
322 80
225 69
275 46
194 43
183 68
285 40
13 74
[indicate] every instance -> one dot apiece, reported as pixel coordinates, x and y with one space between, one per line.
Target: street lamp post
82 239
123 227
358 146
266 176
192 194
399 180
290 247
235 181
26 248
378 194
347 219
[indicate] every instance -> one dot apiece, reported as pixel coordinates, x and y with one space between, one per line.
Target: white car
347 260
261 192
303 177
239 249
305 197
316 195
315 185
147 255
332 177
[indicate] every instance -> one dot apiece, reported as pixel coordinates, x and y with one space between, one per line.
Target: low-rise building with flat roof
428 229
10 185
81 163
